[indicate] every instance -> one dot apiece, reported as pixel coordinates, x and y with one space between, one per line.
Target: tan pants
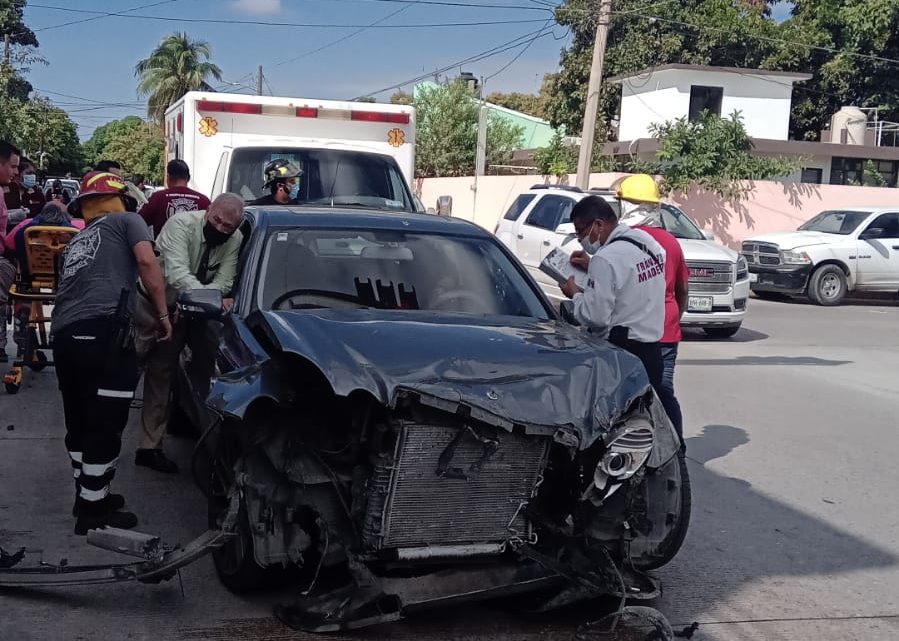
160 364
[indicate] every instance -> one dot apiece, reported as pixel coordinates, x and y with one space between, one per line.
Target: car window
394 270
889 223
678 224
518 206
331 177
549 212
835 222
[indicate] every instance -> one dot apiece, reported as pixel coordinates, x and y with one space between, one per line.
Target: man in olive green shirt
197 250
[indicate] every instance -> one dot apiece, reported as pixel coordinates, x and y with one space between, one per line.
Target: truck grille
708 277
761 253
410 505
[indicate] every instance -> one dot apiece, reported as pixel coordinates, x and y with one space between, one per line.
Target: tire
234 561
827 286
676 477
721 332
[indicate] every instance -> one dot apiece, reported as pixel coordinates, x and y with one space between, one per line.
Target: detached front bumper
784 279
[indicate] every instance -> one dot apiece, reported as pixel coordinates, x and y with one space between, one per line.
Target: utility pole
259 82
592 107
6 50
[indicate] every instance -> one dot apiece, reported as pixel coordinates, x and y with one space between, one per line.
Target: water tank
848 126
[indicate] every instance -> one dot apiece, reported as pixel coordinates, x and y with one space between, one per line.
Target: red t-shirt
168 202
675 272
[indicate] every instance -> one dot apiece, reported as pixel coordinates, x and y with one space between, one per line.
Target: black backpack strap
643 248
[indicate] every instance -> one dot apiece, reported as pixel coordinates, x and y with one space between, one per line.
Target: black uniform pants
97 380
650 354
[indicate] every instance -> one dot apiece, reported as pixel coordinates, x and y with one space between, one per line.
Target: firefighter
92 340
282 179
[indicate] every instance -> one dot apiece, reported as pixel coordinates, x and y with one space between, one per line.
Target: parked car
834 253
401 413
539 221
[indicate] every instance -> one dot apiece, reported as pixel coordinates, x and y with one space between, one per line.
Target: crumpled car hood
519 371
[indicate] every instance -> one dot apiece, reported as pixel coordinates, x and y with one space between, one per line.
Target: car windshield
835 222
340 268
678 224
331 178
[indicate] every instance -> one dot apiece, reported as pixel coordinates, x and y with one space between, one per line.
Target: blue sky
93 61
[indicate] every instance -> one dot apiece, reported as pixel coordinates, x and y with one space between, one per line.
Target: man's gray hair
229 202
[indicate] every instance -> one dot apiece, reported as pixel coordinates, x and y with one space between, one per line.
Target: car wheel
827 286
673 477
722 332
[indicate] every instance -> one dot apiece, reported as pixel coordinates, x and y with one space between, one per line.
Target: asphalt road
795 533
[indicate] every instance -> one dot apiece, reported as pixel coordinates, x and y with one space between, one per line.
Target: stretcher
32 292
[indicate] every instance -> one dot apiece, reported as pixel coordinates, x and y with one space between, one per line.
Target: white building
764 99
661 94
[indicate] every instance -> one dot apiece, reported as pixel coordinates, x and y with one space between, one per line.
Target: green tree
366 99
44 129
178 65
712 153
524 102
401 98
447 132
136 144
556 159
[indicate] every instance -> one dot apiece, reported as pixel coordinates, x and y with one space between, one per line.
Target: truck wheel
827 286
722 332
648 553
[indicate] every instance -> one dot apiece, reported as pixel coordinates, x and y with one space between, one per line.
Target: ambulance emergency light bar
302 112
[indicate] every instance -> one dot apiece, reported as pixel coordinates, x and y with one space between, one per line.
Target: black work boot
110 503
155 460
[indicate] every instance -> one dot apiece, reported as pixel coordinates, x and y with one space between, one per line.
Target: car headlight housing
742 268
626 453
790 257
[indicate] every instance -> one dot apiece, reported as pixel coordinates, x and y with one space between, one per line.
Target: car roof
328 218
864 210
572 192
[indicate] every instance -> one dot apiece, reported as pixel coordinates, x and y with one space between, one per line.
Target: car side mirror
871 233
708 235
201 303
566 309
565 228
445 206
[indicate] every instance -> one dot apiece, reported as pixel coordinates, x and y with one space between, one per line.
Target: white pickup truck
834 253
539 220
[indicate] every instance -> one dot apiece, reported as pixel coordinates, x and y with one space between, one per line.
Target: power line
498 49
99 17
519 54
434 25
405 6
447 3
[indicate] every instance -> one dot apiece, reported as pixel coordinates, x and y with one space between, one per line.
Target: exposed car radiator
418 498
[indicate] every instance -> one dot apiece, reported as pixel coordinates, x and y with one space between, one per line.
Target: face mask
213 236
590 246
295 191
29 180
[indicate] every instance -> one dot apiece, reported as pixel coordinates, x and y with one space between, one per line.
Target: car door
537 236
878 252
510 223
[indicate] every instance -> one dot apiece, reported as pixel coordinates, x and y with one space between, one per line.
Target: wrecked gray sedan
401 420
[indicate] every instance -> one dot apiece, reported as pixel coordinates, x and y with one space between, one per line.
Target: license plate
753 278
699 304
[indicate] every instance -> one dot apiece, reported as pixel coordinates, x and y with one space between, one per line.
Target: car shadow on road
744 544
785 361
744 335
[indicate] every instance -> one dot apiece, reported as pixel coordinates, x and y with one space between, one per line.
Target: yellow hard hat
640 188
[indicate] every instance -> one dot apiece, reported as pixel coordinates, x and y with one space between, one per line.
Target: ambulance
351 153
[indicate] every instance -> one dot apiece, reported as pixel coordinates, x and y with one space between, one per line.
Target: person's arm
4 216
172 244
154 283
593 307
224 277
681 283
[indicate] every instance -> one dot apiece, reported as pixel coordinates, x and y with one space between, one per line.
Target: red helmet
102 183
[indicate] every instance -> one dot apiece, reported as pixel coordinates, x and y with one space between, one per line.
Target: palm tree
178 65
